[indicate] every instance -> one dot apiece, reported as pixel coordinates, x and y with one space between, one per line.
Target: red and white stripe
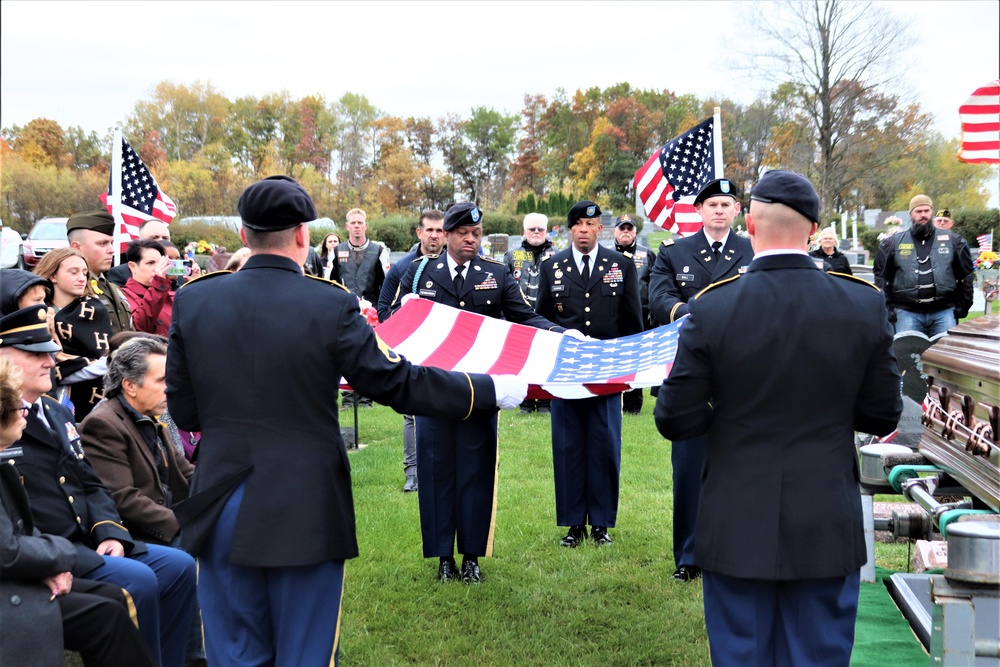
981 126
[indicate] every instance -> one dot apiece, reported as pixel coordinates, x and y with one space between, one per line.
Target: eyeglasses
535 229
626 227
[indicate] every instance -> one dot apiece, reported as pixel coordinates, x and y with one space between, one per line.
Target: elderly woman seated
130 449
43 608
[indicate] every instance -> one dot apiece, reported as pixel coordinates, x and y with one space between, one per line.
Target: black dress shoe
687 573
576 536
447 570
411 484
470 571
600 535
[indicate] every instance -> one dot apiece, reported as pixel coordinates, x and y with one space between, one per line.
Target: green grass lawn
539 603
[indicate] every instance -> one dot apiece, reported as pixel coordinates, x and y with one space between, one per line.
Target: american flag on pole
133 196
553 365
671 178
981 126
985 242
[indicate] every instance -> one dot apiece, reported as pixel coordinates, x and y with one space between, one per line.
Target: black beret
465 214
788 188
275 203
624 219
27 329
101 222
582 209
720 187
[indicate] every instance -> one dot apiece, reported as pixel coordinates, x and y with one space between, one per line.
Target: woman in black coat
833 259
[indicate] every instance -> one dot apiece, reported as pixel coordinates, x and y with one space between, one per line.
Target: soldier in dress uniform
595 290
627 243
457 460
92 233
682 269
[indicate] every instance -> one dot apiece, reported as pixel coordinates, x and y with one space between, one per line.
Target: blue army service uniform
682 269
68 499
271 512
587 433
457 460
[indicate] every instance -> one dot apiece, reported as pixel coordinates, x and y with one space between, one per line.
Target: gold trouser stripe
130 603
472 395
340 615
493 513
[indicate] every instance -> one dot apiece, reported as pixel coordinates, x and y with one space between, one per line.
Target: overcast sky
88 63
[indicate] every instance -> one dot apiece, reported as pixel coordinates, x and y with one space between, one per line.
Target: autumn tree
526 169
187 117
355 115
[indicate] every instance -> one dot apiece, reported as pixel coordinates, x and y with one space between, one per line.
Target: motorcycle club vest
357 277
921 281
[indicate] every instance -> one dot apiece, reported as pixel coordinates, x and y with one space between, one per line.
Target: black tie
586 269
459 280
717 248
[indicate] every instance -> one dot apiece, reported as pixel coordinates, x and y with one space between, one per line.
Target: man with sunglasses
627 243
524 264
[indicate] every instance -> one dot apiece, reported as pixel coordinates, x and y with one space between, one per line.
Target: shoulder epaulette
327 281
714 285
855 279
547 258
490 259
666 243
206 276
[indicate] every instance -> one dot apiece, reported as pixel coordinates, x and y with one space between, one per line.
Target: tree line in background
829 116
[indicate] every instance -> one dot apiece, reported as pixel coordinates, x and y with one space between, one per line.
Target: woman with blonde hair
82 325
827 256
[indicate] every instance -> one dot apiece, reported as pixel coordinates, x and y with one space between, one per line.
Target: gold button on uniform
62 480
79 520
587 323
587 295
587 309
71 498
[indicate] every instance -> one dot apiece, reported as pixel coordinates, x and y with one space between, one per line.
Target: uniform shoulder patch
848 276
666 243
715 285
205 276
490 259
327 281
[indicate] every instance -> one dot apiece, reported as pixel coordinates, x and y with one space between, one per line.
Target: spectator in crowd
827 256
943 220
273 525
20 289
47 610
82 326
457 459
682 269
68 499
328 255
595 290
430 234
238 259
91 234
361 267
150 230
148 291
781 571
627 243
525 264
174 254
130 450
925 273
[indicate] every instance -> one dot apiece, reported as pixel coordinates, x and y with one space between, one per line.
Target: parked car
10 248
47 234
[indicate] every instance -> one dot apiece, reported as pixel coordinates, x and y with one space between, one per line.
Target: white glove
510 391
577 334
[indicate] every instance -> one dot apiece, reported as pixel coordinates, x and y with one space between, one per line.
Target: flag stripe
514 353
457 343
980 116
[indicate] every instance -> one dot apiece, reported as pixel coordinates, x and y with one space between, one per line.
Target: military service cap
28 329
720 187
101 222
582 209
788 188
274 204
465 214
943 213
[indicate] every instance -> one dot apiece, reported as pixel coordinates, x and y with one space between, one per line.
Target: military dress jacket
780 402
67 497
686 266
251 365
489 289
30 623
119 454
606 306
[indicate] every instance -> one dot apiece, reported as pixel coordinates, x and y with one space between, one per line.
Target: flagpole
718 144
115 191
